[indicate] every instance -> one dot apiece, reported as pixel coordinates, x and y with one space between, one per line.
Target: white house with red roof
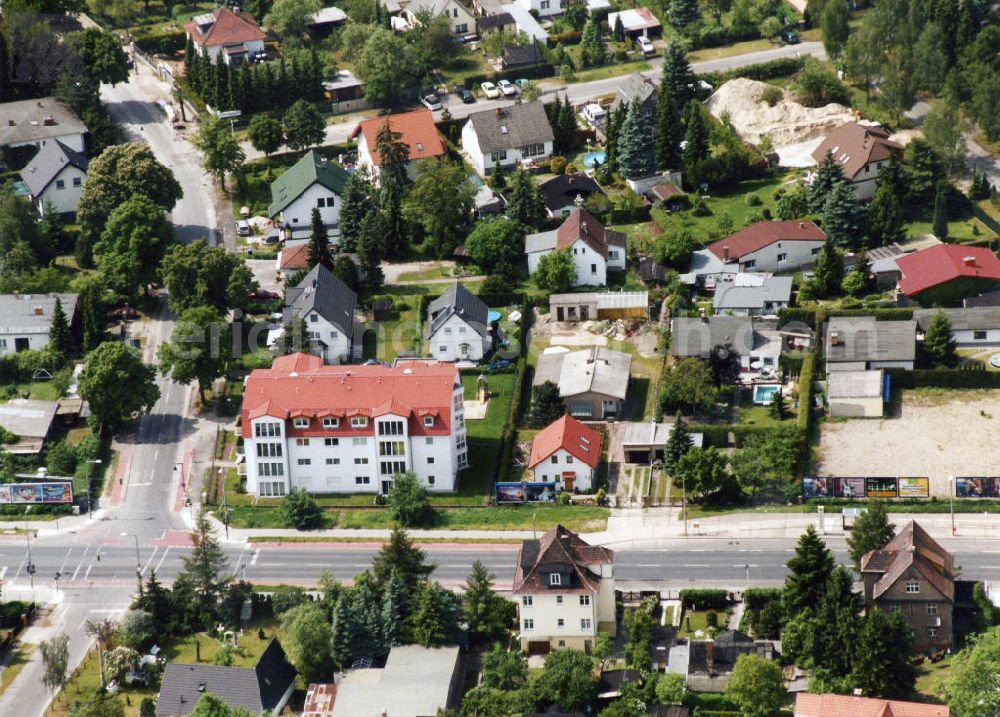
595 249
829 705
416 129
941 275
566 452
761 247
861 149
232 33
352 429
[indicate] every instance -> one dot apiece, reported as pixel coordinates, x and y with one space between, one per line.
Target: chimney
725 253
583 225
49 121
39 311
835 338
702 315
969 260
802 225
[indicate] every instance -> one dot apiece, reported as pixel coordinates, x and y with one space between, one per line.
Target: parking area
932 433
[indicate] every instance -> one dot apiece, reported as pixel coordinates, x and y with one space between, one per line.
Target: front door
559 313
584 313
385 487
21 344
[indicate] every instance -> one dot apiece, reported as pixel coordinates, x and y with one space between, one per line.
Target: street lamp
90 482
951 504
684 502
138 563
30 568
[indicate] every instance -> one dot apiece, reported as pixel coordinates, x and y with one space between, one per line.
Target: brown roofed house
596 250
233 34
861 149
771 246
826 705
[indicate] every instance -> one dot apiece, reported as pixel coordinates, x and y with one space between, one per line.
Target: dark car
124 312
466 96
263 296
790 37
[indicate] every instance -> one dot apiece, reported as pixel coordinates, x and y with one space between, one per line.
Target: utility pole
684 502
31 566
951 504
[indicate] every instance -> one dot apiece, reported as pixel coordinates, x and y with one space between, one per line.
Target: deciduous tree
266 134
200 349
496 241
117 385
872 531
440 201
556 272
307 641
301 511
968 693
756 685
55 660
304 126
197 275
567 681
408 502
135 239
289 19
504 669
688 385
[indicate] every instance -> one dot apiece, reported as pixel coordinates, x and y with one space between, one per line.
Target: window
442 348
912 586
269 450
593 268
334 335
301 423
932 632
533 150
529 624
333 461
580 409
500 156
359 441
783 256
526 600
978 335
77 181
932 608
748 266
362 480
271 470
271 489
545 4
331 441
430 480
558 599
391 468
302 441
267 429
360 461
359 422
555 579
447 331
555 460
584 600
585 623
815 251
428 421
3 343
390 428
463 460
894 607
313 318
430 460
560 623
462 28
612 254
391 448
428 441
569 459
304 461
60 184
331 423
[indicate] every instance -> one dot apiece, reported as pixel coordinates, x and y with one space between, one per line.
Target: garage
643 442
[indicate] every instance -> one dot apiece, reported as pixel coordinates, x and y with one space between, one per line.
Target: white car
431 102
491 91
645 45
507 88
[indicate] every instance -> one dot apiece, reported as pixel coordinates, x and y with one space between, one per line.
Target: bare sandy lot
934 433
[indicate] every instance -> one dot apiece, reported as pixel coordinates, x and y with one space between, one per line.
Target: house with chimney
915 577
327 306
710 662
861 149
458 326
55 178
231 34
592 382
565 192
35 123
565 592
595 249
26 319
780 246
415 129
860 343
314 182
566 452
944 274
511 136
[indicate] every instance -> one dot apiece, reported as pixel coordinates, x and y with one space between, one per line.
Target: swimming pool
763 393
493 316
592 159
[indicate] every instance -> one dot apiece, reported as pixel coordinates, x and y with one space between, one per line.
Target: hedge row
806 394
759 598
782 67
163 43
717 434
21 366
812 316
973 377
704 599
528 73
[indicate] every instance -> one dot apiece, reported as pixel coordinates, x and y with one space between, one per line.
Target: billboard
880 487
816 487
914 487
526 492
848 487
32 493
977 487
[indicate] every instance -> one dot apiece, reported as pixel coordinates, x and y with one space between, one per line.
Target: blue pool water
764 394
493 316
591 159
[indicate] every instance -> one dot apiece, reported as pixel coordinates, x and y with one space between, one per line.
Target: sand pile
786 123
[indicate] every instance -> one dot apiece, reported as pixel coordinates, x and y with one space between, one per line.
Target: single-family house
780 246
565 592
525 21
232 34
263 688
857 343
521 57
39 121
861 149
758 348
565 192
601 306
416 129
29 420
458 326
828 705
856 394
55 178
975 327
636 22
566 452
327 305
314 182
711 662
595 249
592 382
644 441
497 22
325 20
293 258
544 8
752 295
25 320
945 274
460 20
518 134
416 681
636 88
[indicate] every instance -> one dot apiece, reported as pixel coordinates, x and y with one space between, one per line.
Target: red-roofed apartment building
415 128
914 576
351 429
942 275
768 246
812 705
566 452
233 33
565 592
861 149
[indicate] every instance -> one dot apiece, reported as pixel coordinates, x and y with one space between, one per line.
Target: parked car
431 102
242 227
522 82
123 312
790 37
507 88
466 96
263 296
491 91
645 45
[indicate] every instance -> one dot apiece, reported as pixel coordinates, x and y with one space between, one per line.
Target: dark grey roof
669 711
650 271
324 293
724 654
562 190
255 689
522 56
697 337
46 165
990 298
865 339
612 680
971 319
634 87
490 22
511 127
457 300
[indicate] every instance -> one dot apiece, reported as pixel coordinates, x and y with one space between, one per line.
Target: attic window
503 129
428 421
420 147
555 579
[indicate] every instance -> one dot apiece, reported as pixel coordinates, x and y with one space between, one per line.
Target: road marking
156 455
696 566
647 565
151 556
87 574
142 485
751 565
65 560
256 554
162 558
3 571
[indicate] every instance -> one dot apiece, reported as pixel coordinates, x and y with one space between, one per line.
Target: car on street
431 102
790 37
507 88
491 91
645 45
242 228
466 96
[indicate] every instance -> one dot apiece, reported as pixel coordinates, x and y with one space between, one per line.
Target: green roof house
313 181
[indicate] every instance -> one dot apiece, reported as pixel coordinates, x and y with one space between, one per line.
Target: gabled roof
697 337
761 234
561 551
563 189
813 705
862 338
256 689
511 127
48 163
415 128
457 300
36 120
855 144
522 55
495 21
595 370
939 264
635 87
224 27
912 547
573 436
970 319
309 170
733 295
580 225
433 7
293 258
324 293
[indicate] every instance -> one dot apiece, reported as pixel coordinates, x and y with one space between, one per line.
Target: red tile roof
300 385
911 547
230 28
582 225
562 551
940 264
810 705
415 128
296 257
854 145
757 236
577 439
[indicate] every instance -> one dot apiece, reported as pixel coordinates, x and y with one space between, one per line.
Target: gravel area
936 434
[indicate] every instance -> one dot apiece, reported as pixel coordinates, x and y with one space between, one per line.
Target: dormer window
301 423
428 421
331 423
555 579
359 422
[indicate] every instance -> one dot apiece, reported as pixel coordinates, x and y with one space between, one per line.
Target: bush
772 95
301 511
285 597
557 165
60 459
712 619
753 200
408 502
704 599
817 85
757 598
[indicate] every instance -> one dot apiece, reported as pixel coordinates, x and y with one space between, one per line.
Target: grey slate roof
634 87
38 119
595 370
32 313
865 339
696 337
495 21
971 319
324 293
27 418
457 300
522 56
773 289
511 127
48 163
255 689
562 190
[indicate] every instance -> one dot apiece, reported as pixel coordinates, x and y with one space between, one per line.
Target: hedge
535 72
759 598
704 599
804 418
782 67
973 377
21 366
163 43
810 316
565 38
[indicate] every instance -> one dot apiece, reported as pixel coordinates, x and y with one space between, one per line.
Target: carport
644 442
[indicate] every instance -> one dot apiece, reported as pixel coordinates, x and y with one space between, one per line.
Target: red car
263 296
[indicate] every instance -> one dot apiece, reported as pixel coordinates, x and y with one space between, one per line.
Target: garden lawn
960 231
614 70
16 661
578 518
761 416
483 439
694 620
931 678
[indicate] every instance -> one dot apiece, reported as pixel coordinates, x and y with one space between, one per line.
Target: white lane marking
87 574
143 485
647 565
744 565
156 455
256 554
700 565
162 558
3 571
65 560
151 556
